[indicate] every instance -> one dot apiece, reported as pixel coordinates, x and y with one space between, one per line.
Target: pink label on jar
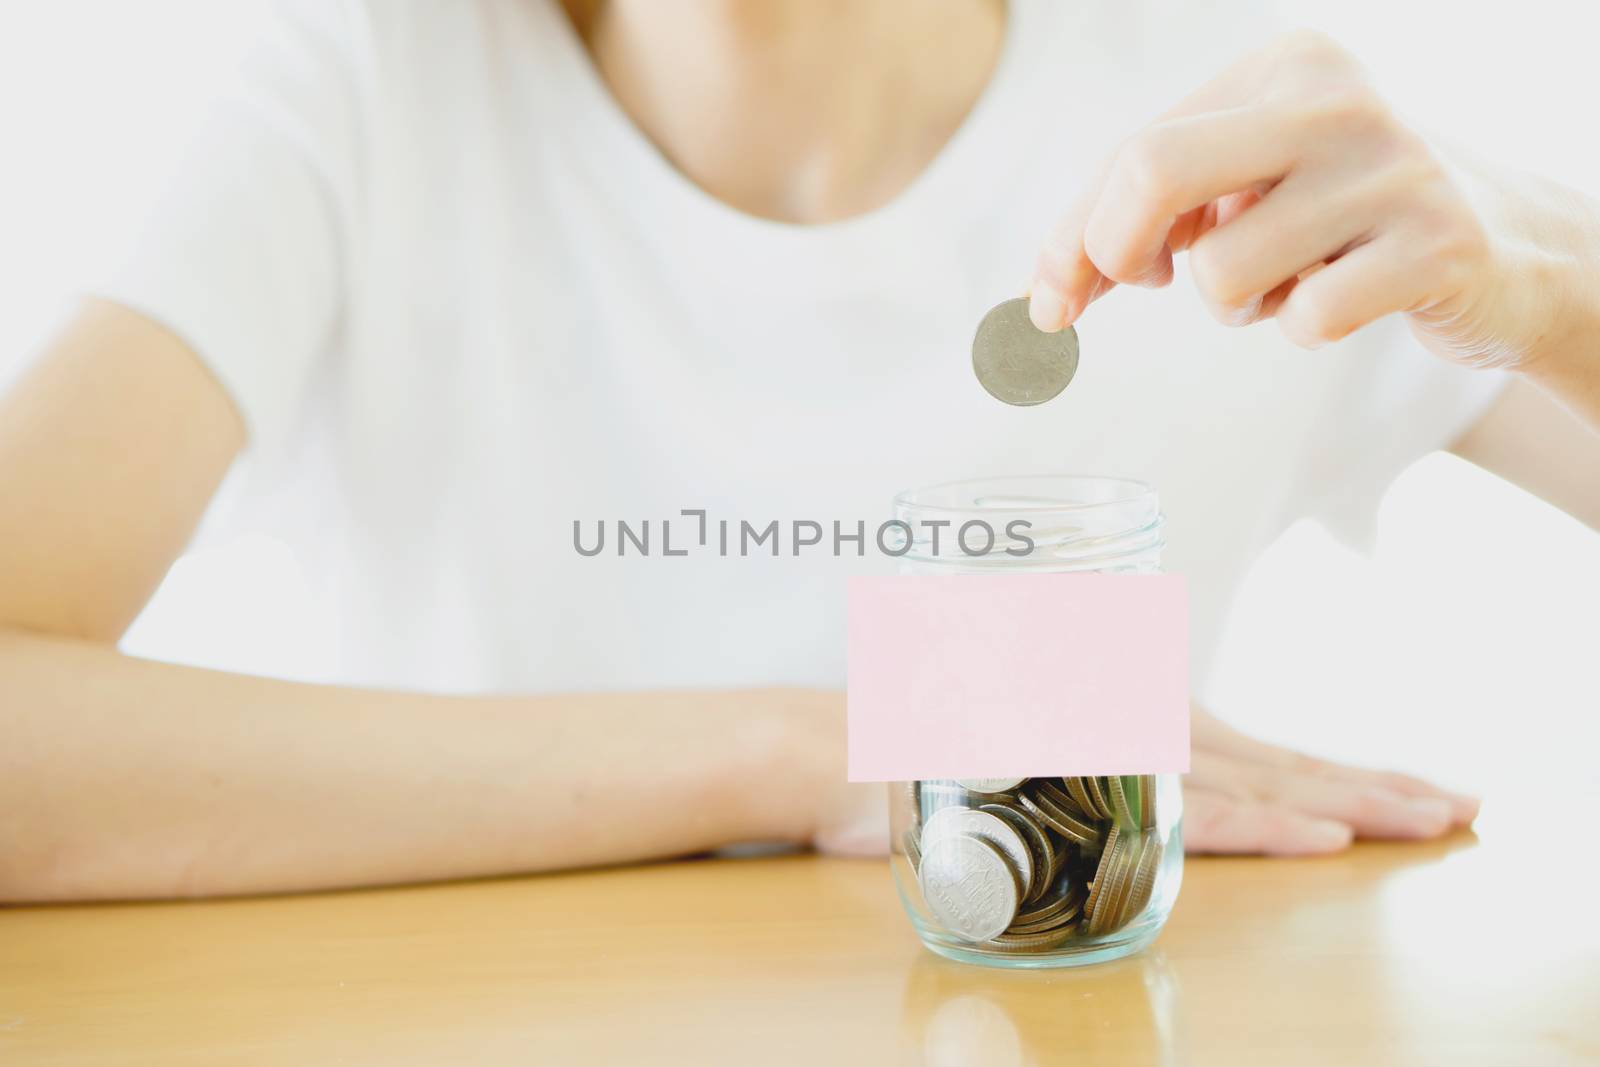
1017 675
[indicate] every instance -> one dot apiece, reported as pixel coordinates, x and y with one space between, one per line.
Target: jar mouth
1055 521
1042 493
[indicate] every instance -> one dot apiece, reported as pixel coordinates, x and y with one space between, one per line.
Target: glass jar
1035 872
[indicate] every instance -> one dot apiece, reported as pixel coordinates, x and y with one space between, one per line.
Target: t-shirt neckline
964 171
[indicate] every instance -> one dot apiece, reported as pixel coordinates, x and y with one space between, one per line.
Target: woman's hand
1241 796
1246 796
1300 196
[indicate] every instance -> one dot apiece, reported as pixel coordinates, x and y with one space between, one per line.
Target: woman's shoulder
445 47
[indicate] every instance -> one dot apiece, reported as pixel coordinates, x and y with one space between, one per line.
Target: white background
1467 647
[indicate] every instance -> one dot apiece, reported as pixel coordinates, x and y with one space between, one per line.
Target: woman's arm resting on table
125 778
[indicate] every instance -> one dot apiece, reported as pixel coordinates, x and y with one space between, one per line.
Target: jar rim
1067 522
1134 491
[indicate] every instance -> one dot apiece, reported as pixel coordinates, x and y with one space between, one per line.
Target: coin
1117 916
1097 884
1116 877
1061 822
1065 917
1144 879
1095 786
968 885
990 785
1062 799
1016 362
1080 796
1078 856
993 829
1039 942
1044 851
1064 898
1121 809
1058 862
1064 908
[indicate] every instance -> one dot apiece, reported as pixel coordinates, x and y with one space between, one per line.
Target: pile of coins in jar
1027 864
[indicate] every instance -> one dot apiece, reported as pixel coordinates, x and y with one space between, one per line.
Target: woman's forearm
128 778
1575 379
1561 229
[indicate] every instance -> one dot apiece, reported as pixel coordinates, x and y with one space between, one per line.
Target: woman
452 278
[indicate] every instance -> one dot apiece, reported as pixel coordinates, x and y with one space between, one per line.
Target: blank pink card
1017 675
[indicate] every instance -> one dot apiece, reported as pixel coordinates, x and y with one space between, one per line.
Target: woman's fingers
1373 803
1173 168
1358 216
1386 275
1064 280
1362 808
1214 822
1300 224
1121 230
1367 809
1463 808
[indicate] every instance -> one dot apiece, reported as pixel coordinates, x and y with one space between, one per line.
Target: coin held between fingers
1019 364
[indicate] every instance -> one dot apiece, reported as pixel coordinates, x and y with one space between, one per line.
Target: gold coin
1108 914
1064 895
1097 885
1144 879
1059 821
1121 810
1108 884
1090 796
1147 801
1058 861
1071 906
1081 796
1056 922
1040 942
1095 786
1063 799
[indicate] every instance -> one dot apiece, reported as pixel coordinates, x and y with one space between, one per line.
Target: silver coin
993 829
969 887
990 785
1017 363
1040 850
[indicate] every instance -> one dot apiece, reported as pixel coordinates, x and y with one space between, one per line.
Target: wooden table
1438 953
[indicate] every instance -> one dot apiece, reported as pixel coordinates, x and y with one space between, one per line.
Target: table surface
1481 948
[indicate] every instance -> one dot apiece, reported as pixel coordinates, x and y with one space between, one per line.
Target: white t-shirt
462 303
